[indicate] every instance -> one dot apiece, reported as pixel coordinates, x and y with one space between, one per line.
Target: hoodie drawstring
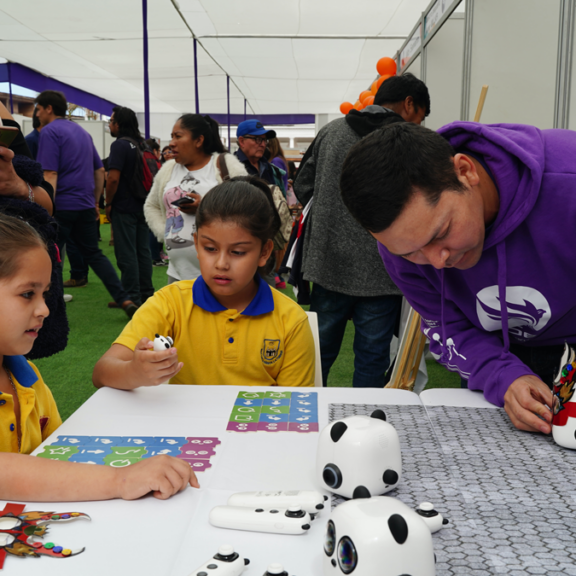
501 253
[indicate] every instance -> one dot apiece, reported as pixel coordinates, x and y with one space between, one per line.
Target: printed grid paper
509 495
120 451
274 412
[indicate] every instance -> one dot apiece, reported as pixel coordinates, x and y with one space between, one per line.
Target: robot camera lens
330 539
347 556
332 476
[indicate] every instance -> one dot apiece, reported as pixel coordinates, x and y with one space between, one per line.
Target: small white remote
162 343
308 500
228 563
275 520
433 519
275 570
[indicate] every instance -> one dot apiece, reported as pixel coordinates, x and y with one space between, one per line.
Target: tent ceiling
98 47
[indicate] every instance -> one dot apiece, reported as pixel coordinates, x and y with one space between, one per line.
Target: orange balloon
374 87
368 101
345 107
386 66
364 95
358 105
381 80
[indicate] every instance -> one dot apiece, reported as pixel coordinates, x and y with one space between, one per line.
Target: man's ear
466 170
48 109
265 254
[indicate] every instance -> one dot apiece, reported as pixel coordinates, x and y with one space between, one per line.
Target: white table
173 537
454 397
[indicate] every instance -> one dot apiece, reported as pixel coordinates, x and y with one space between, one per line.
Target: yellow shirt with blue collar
268 344
39 415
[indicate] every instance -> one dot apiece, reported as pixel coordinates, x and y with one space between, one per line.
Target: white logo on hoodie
528 310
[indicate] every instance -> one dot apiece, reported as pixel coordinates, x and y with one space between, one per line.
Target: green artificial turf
94 326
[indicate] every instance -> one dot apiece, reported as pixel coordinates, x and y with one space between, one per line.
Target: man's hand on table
153 368
164 476
525 400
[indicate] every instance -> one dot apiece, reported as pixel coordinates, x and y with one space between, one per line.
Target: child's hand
152 368
164 476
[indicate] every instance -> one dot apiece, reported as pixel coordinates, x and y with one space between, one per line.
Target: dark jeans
132 249
544 361
374 321
78 268
155 247
80 225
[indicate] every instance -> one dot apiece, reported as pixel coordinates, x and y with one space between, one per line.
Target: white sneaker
68 297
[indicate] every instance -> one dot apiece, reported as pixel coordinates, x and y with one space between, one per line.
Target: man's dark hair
55 99
398 88
35 119
386 168
127 123
153 144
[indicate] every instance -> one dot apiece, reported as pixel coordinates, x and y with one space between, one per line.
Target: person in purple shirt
73 167
475 225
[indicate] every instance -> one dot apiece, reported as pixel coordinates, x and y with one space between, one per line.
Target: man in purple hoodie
476 227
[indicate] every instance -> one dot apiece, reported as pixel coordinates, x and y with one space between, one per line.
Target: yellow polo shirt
39 415
268 344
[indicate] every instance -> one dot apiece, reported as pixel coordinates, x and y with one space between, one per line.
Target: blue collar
262 303
22 371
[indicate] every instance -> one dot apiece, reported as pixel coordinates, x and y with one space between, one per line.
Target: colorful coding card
120 451
274 412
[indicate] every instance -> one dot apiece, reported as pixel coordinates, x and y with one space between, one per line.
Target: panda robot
380 535
564 401
162 343
359 456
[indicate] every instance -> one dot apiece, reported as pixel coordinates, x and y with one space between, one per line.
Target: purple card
242 426
303 428
203 453
273 426
197 465
203 441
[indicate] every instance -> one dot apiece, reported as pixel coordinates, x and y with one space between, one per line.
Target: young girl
28 413
228 325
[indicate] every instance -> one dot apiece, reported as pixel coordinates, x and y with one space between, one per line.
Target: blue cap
253 128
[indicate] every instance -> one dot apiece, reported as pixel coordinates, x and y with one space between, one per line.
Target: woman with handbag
200 163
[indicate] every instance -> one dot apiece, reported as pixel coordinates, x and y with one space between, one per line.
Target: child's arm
121 368
31 479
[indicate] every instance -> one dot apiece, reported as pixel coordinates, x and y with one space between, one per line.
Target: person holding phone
199 164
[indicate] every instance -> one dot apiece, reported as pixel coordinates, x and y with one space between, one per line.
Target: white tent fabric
277 66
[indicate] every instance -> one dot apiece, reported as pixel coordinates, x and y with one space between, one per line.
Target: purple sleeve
478 356
95 158
48 150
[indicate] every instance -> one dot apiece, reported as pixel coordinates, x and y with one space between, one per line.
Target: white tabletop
173 537
454 397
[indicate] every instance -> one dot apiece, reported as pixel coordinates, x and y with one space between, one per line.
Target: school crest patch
270 352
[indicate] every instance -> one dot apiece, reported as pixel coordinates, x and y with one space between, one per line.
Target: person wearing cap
252 138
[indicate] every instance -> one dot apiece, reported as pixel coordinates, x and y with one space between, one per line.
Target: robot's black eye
337 431
398 527
332 476
330 538
347 556
167 346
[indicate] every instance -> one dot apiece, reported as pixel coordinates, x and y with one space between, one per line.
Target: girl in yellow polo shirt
28 413
228 325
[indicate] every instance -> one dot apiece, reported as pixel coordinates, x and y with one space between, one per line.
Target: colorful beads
66 552
49 545
57 549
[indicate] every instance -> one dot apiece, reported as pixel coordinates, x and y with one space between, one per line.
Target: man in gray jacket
340 257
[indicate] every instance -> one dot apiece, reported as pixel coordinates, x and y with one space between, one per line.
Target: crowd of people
461 222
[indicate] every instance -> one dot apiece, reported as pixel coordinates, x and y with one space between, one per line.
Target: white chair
313 320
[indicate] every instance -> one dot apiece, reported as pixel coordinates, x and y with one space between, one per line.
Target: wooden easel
412 343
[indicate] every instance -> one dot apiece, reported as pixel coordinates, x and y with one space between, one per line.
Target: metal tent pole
196 76
244 108
146 79
228 97
10 87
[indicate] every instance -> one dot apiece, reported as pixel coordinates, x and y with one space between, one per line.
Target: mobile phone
7 135
182 201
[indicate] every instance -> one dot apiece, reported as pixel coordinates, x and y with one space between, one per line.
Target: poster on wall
412 46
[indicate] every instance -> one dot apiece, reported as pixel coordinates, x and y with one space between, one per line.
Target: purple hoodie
528 260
